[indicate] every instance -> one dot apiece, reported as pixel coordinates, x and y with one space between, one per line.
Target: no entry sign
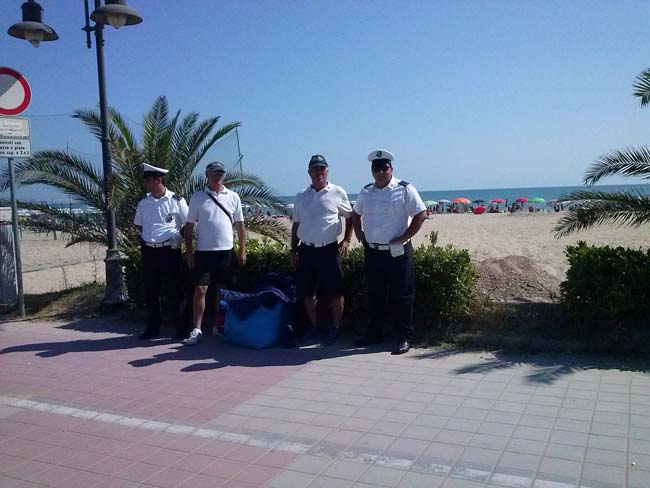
15 93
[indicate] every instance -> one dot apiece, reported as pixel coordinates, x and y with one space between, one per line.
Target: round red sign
15 93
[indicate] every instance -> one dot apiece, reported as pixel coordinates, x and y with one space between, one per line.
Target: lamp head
32 27
116 13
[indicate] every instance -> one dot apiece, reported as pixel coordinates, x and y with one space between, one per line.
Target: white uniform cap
146 167
380 154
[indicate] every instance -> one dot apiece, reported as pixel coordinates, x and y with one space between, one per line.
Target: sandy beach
50 266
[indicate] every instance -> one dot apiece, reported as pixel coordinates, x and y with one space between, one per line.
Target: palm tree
588 208
175 143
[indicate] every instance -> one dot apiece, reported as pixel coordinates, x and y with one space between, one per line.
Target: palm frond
275 229
592 208
154 126
130 142
205 147
626 162
642 87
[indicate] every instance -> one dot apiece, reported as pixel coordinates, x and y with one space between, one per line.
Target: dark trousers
390 282
162 264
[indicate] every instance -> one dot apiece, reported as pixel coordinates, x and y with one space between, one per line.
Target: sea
548 193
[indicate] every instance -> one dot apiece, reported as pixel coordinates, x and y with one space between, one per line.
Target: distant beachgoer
387 214
160 216
214 211
315 252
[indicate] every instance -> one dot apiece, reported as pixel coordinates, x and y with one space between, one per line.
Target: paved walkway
82 405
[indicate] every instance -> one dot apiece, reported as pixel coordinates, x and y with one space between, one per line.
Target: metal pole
241 170
115 290
14 224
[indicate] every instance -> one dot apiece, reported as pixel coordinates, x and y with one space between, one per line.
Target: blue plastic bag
259 330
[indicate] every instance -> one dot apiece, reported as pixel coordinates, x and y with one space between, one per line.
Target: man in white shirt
160 216
214 212
387 214
315 250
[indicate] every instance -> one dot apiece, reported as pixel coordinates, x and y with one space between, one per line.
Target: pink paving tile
239 484
139 472
194 462
137 435
110 466
13 446
58 455
37 433
28 484
187 443
225 468
136 452
86 442
36 450
247 454
257 474
83 460
163 457
84 479
117 483
169 478
160 439
63 438
277 459
216 448
8 462
111 447
203 481
25 470
55 476
6 482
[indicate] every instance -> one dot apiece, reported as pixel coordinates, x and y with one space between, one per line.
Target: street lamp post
117 14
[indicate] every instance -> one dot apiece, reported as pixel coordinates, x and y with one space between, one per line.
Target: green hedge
606 296
444 278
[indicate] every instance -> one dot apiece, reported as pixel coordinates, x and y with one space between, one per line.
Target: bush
606 296
444 277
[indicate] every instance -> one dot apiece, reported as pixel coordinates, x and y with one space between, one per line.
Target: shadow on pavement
546 368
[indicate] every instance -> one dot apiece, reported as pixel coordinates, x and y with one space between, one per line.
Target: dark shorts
213 267
319 271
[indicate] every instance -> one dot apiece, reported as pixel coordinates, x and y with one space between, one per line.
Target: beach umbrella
442 200
537 200
289 205
497 200
478 201
431 203
521 200
462 200
479 210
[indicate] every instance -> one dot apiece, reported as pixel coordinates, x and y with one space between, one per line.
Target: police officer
160 216
315 250
387 214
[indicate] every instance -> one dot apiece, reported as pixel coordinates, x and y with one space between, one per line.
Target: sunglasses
376 168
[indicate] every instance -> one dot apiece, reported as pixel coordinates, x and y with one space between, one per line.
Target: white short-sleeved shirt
161 218
214 228
386 212
319 213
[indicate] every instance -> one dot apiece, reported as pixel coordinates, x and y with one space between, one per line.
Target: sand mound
516 278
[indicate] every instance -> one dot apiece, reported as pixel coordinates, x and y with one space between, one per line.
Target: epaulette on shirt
368 185
404 183
177 197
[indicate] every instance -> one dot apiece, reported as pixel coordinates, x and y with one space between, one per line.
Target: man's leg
151 271
198 305
401 296
311 304
173 283
377 290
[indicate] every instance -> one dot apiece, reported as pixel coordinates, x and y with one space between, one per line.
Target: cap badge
378 154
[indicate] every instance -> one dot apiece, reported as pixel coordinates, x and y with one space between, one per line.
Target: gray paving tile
429 420
469 471
531 433
605 456
640 433
526 446
463 425
291 479
503 417
310 464
575 413
495 428
607 442
537 421
615 430
326 482
420 432
388 428
345 469
412 446
488 441
638 479
606 474
420 480
432 466
544 480
512 477
480 455
611 407
382 476
519 460
449 452
560 467
375 441
453 437
568 437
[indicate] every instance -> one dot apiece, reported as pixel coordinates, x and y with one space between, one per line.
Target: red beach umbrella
497 200
521 200
462 200
479 210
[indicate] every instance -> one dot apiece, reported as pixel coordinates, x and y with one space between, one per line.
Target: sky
466 94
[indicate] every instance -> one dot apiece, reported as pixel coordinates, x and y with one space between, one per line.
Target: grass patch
82 301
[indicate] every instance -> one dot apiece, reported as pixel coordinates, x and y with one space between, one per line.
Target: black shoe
367 341
148 334
401 348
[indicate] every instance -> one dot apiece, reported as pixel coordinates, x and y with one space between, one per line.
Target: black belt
317 244
158 244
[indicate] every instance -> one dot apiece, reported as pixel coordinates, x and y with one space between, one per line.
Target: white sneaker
195 337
